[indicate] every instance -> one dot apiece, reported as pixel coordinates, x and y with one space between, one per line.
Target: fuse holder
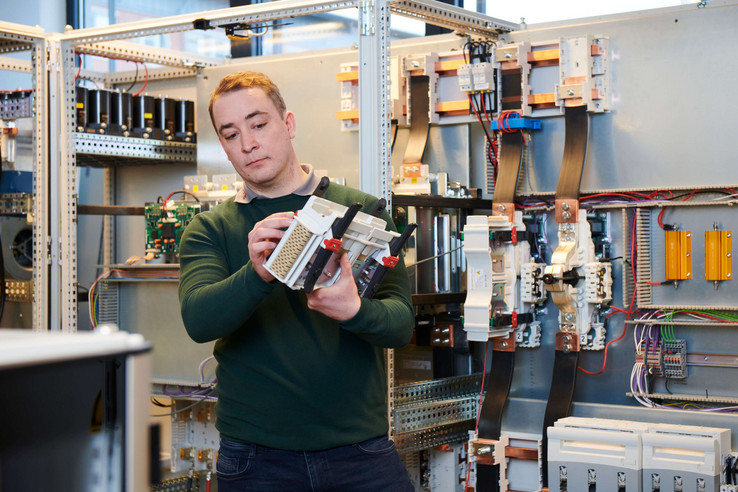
678 255
390 261
718 255
333 244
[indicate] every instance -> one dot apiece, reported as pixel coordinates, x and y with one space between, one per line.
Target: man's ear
289 119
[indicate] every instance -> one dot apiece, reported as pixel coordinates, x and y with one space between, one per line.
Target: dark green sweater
288 377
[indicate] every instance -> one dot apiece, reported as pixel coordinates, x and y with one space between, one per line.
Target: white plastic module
627 455
681 458
478 304
494 257
312 231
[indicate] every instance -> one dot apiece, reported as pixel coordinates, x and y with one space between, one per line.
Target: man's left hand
341 300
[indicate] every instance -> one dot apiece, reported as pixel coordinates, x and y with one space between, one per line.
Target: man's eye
230 137
260 125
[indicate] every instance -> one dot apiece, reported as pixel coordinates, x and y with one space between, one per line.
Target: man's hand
341 300
264 237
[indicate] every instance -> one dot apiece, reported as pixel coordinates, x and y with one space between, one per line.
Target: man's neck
283 185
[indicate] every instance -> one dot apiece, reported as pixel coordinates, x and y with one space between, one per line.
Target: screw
730 235
570 92
501 208
566 216
508 55
503 345
484 450
415 63
729 255
568 316
567 348
566 338
565 206
689 235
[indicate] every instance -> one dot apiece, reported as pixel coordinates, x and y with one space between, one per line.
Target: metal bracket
367 24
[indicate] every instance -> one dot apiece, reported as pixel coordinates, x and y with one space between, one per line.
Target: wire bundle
134 274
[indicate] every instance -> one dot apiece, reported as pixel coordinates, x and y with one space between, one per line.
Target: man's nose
248 143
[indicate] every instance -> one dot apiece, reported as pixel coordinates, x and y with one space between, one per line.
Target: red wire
624 195
489 139
79 70
628 313
146 80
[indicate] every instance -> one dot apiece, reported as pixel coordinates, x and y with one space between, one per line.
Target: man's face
255 137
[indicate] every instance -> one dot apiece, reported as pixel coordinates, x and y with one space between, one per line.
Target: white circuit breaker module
308 255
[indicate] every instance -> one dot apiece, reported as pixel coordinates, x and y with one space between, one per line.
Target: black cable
702 192
135 79
159 404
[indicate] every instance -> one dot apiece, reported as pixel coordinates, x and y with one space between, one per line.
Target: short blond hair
247 80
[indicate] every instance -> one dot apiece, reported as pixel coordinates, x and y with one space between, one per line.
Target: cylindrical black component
142 112
184 120
164 109
81 108
98 108
120 111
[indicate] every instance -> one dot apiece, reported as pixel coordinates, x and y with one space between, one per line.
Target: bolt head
565 206
501 208
566 215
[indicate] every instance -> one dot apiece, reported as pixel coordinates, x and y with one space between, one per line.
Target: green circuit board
165 225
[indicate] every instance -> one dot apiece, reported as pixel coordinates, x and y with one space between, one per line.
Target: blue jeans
369 466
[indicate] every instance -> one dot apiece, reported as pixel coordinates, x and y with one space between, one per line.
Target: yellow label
80 105
195 188
148 115
224 187
413 180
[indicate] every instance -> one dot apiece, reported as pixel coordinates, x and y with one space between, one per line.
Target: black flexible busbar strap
340 226
561 394
419 119
511 155
572 165
490 417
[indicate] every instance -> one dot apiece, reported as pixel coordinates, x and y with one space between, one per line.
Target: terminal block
307 256
495 305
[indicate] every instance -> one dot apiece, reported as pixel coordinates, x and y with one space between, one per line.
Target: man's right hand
264 237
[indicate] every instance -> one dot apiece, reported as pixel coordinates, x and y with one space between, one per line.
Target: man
301 383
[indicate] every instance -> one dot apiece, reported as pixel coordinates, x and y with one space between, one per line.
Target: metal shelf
110 151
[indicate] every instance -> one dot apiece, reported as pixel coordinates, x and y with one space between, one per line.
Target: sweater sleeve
388 319
214 302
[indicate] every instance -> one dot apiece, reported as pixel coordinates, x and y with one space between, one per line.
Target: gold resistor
718 255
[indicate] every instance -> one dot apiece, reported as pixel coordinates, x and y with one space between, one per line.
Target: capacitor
81 108
98 109
164 109
120 112
184 120
142 113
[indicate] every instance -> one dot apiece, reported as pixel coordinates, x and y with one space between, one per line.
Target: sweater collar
307 188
